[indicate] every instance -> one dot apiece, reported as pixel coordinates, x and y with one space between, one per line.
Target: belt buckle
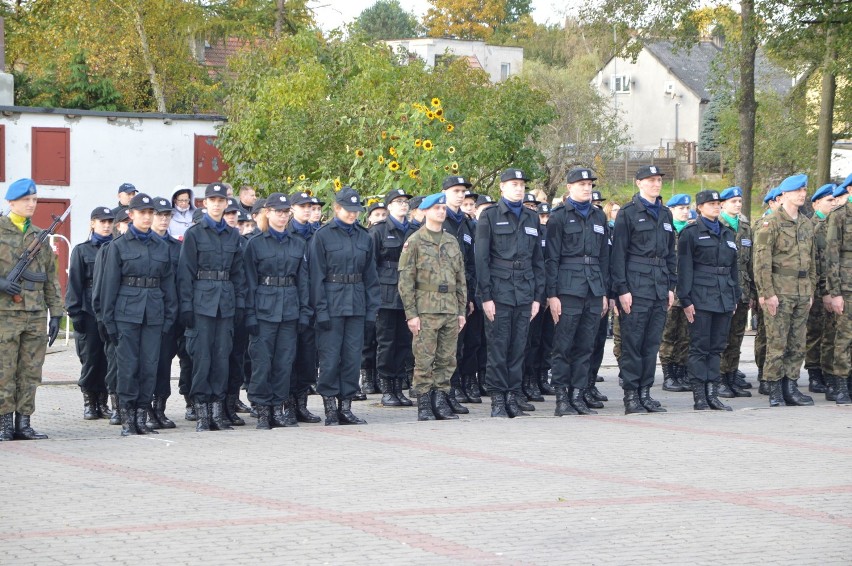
517 264
587 260
803 274
443 288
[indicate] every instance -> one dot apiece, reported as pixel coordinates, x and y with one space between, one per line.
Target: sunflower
413 173
392 151
439 112
447 168
393 166
436 102
381 159
451 150
384 135
359 153
430 114
289 180
450 127
428 145
454 166
418 142
302 177
337 184
403 119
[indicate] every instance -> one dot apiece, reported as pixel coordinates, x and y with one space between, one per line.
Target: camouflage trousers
785 338
23 342
814 334
760 341
731 355
434 350
616 338
674 349
840 363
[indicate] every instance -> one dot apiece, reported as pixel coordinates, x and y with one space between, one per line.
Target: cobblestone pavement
756 486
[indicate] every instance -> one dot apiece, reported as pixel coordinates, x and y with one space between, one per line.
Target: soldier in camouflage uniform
732 204
23 307
785 275
771 200
823 203
838 261
675 344
433 290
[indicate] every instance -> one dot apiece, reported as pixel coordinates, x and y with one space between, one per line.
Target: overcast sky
332 14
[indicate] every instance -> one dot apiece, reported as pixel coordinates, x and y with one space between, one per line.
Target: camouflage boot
7 426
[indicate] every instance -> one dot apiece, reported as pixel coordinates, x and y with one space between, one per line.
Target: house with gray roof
661 96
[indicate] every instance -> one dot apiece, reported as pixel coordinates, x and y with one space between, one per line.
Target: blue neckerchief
611 223
457 217
514 207
415 224
315 226
99 240
402 226
344 225
653 209
165 237
218 226
304 230
278 235
584 208
713 225
141 236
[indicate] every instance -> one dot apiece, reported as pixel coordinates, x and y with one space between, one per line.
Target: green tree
709 136
465 19
386 20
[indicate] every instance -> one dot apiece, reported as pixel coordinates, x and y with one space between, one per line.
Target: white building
499 61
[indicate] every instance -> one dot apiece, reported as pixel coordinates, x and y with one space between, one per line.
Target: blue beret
693 215
431 200
823 191
679 200
771 195
732 192
793 183
839 190
846 182
20 188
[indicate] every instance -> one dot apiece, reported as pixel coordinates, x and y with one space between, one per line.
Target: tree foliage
386 20
473 19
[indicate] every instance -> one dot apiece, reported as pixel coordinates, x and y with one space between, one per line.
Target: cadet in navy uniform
463 229
709 290
78 305
510 283
277 309
594 398
345 297
305 367
643 271
211 287
139 305
577 268
540 337
393 338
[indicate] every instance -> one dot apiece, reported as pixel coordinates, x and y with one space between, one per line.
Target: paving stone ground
755 486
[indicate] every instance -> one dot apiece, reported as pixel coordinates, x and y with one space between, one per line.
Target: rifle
29 254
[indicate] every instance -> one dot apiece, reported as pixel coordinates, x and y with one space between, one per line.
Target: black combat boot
776 395
90 407
831 382
731 379
114 417
651 405
23 430
191 409
264 414
288 411
792 395
142 418
397 390
276 417
578 401
152 421
816 381
454 404
741 380
368 381
713 397
241 407
498 405
202 421
345 415
724 389
631 402
389 398
102 402
471 389
763 388
480 380
590 400
128 421
521 401
699 396
330 406
303 415
160 410
595 393
530 388
682 376
217 416
670 383
424 407
458 391
441 406
359 395
7 426
841 396
513 405
546 387
253 410
231 407
563 404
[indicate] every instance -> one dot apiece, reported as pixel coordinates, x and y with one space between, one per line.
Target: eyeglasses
281 212
184 200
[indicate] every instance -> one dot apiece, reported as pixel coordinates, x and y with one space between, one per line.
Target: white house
500 62
80 157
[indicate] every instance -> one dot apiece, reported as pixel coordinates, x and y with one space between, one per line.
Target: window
51 156
620 83
505 69
209 166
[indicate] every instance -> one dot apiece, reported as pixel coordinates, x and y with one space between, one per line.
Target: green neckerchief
819 214
850 198
733 221
680 225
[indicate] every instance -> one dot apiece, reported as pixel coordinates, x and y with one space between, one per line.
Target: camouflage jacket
745 242
838 251
784 256
40 289
820 245
431 275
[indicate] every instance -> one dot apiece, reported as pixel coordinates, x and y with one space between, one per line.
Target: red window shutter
51 156
209 166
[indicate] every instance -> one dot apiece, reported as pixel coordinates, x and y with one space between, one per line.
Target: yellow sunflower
428 145
430 114
289 180
418 142
436 102
450 127
454 166
302 177
439 112
392 151
384 135
451 150
393 166
447 168
337 184
359 153
381 159
413 173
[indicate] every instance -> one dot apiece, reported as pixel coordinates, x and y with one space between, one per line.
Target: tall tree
386 20
465 19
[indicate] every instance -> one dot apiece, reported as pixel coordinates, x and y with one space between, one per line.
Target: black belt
388 264
585 260
146 282
658 261
508 264
344 278
712 269
214 275
288 281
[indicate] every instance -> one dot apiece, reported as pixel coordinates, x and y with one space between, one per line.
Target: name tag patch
732 245
531 231
467 239
746 243
598 228
703 237
503 223
667 227
642 220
